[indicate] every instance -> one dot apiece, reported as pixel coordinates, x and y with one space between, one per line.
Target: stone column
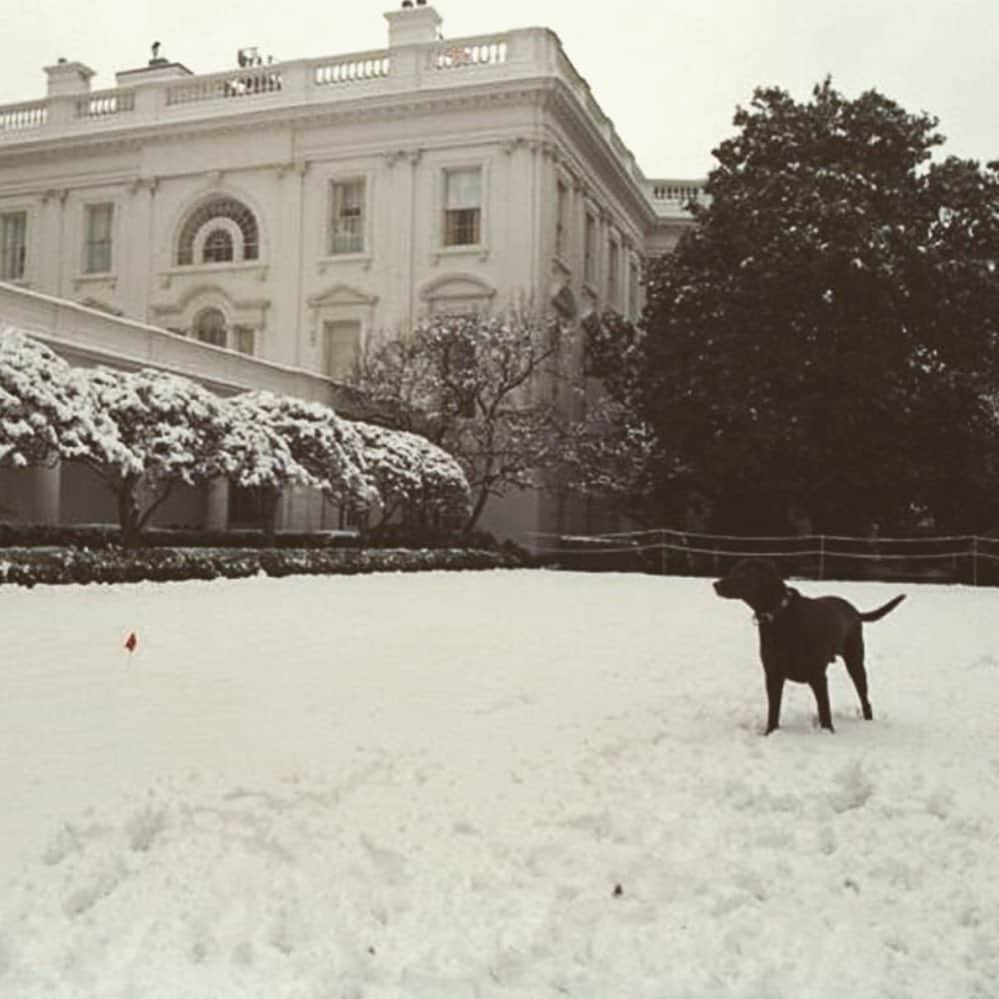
44 489
216 514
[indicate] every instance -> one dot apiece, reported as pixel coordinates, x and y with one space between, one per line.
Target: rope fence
960 558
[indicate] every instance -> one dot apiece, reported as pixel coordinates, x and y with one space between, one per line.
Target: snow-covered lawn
506 784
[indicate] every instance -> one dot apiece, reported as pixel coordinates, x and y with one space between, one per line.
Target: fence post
822 556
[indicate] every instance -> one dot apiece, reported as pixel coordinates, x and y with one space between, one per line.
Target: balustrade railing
103 105
677 192
220 86
351 69
472 52
528 51
19 117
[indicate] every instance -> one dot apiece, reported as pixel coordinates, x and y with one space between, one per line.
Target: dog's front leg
820 688
775 690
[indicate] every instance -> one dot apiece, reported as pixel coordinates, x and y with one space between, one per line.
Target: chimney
413 26
68 78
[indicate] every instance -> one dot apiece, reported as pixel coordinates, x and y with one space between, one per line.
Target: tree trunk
129 520
473 517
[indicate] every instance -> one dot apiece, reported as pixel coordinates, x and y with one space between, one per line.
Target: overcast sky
669 73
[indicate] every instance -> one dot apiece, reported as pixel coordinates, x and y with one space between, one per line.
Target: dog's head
755 580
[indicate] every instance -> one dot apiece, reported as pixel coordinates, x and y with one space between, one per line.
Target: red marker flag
131 642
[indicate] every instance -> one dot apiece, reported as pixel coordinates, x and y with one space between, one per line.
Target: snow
506 784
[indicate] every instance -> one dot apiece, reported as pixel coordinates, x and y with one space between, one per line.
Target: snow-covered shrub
327 448
412 473
445 487
258 456
45 413
173 432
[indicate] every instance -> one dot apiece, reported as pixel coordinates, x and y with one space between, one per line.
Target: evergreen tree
825 338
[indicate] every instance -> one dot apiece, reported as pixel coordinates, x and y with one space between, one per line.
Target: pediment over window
341 294
457 287
180 313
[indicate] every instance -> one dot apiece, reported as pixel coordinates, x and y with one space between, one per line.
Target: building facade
272 217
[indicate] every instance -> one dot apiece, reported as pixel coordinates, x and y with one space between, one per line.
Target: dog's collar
768 617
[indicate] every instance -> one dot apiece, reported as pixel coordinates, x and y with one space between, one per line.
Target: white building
273 215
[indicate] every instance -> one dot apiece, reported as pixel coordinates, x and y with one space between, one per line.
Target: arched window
216 222
210 327
218 246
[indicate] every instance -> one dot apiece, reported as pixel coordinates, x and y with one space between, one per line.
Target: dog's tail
876 615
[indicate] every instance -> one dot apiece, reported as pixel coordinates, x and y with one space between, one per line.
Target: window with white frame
221 230
13 245
97 233
242 339
463 207
210 327
347 217
218 246
342 345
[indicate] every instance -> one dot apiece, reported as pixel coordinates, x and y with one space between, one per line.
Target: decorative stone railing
21 117
246 82
105 103
483 51
677 190
528 53
348 69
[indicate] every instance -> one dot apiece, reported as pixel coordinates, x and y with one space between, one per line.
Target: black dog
800 636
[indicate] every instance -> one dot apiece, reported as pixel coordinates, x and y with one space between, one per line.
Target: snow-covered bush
45 413
412 473
173 432
327 448
258 457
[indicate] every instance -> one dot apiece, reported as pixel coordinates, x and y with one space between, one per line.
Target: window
97 239
343 341
218 246
347 222
13 245
462 207
242 337
209 327
613 258
561 201
589 250
209 226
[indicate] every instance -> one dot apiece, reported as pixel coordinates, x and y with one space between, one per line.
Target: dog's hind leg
853 656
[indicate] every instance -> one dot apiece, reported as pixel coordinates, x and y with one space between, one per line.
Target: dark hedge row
31 566
109 536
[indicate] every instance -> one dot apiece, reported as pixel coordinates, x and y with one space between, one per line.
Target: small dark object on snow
131 642
618 891
800 636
